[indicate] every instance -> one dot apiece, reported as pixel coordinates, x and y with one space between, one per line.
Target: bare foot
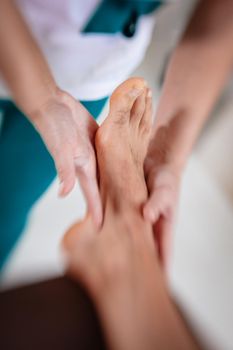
118 265
122 143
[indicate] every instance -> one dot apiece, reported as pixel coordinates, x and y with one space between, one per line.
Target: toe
146 120
138 109
123 99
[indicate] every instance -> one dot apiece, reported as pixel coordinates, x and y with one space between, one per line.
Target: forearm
22 64
196 75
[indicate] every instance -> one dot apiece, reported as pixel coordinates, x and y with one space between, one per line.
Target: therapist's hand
68 131
163 182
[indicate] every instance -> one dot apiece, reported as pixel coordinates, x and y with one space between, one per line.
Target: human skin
198 70
66 127
119 264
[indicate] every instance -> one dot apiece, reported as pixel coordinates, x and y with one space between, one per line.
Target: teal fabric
26 171
113 16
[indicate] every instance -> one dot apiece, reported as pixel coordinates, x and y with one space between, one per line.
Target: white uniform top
87 65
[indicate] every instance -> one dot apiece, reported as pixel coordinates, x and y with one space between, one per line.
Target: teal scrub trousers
26 171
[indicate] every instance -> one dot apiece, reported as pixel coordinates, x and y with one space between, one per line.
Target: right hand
163 183
68 131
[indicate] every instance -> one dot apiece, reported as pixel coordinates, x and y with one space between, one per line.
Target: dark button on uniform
130 27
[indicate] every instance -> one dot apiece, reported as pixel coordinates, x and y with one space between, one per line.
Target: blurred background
202 269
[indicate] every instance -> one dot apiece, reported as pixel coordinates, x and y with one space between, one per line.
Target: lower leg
119 264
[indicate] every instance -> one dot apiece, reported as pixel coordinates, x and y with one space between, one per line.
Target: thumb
163 235
157 204
88 182
151 210
66 172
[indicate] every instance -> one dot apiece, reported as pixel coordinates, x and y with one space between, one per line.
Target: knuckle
84 163
60 151
60 169
65 172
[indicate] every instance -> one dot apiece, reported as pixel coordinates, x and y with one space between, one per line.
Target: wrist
170 147
30 96
172 165
55 98
164 177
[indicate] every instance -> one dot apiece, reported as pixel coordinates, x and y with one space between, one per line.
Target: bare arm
22 64
64 124
196 75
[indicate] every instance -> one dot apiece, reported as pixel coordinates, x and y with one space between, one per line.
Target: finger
157 204
66 172
88 182
163 236
151 210
166 247
157 235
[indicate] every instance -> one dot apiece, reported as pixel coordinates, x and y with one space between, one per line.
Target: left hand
163 182
68 130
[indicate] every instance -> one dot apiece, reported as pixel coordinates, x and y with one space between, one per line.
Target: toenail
135 92
149 93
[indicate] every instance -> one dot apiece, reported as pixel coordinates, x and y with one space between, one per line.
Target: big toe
124 97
